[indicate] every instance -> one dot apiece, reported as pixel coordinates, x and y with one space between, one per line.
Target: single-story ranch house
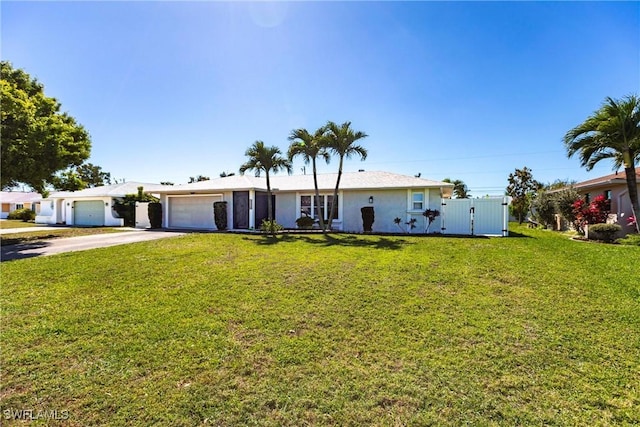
91 206
391 195
13 200
190 206
614 188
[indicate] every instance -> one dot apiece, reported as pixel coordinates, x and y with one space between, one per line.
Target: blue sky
466 90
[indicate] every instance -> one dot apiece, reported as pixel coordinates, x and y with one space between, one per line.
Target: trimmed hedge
604 232
155 214
220 215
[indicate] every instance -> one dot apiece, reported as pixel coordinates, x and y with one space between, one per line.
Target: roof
113 190
19 197
613 179
280 183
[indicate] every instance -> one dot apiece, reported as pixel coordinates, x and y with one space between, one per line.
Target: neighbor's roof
113 190
349 181
19 197
613 179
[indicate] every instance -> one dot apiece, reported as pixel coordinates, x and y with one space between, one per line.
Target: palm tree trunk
315 184
269 207
632 186
335 192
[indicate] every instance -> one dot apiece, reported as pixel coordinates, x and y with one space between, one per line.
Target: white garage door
88 213
192 212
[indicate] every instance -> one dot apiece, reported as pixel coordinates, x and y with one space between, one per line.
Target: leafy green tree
341 140
267 160
87 175
611 132
521 188
460 189
310 148
543 207
37 139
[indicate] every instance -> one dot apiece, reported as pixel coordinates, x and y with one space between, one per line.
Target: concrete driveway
80 243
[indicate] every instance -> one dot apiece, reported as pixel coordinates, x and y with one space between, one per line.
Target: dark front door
262 208
240 209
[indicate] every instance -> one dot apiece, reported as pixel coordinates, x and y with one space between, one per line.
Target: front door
240 209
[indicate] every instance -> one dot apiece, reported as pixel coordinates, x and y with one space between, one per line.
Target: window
417 201
607 194
19 206
587 198
308 206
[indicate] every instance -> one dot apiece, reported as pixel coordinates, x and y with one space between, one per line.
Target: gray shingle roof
349 181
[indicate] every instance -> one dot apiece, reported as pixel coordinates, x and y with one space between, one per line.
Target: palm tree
265 159
612 132
460 189
310 147
341 141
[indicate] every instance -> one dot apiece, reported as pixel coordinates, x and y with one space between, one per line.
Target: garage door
192 212
88 213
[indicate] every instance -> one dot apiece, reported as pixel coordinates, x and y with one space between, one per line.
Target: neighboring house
13 200
91 206
190 206
614 188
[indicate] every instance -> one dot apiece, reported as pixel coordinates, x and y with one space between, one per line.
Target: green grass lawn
228 329
15 223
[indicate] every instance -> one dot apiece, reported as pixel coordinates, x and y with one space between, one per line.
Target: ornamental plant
431 215
595 212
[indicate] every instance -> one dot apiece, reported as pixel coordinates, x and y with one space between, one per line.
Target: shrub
220 215
431 215
604 232
270 226
368 218
24 214
155 214
305 222
543 208
595 212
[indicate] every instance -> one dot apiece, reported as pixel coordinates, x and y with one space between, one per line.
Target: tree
267 160
341 141
612 132
521 188
225 174
198 178
310 147
460 189
87 175
37 139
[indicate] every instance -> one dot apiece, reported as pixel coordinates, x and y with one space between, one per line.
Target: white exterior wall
287 209
110 219
387 205
55 211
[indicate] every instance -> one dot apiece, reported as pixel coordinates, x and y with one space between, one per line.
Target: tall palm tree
267 160
612 132
310 147
341 141
460 189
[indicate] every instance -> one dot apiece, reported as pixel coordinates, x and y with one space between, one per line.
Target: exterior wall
620 204
55 211
387 205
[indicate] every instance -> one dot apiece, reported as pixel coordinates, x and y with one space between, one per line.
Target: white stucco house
13 200
190 206
91 206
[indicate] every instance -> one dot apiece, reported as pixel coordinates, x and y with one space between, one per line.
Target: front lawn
229 329
16 223
55 233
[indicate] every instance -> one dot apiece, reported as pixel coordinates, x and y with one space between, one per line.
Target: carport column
252 215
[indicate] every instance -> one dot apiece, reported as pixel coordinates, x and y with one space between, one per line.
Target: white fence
482 217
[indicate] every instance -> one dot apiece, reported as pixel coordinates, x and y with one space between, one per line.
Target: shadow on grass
516 234
333 240
19 250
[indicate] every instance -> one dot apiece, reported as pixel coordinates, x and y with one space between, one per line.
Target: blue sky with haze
467 90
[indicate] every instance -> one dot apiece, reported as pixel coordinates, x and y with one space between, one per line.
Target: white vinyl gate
483 217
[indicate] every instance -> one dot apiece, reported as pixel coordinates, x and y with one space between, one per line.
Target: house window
308 205
587 198
417 201
19 206
607 194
